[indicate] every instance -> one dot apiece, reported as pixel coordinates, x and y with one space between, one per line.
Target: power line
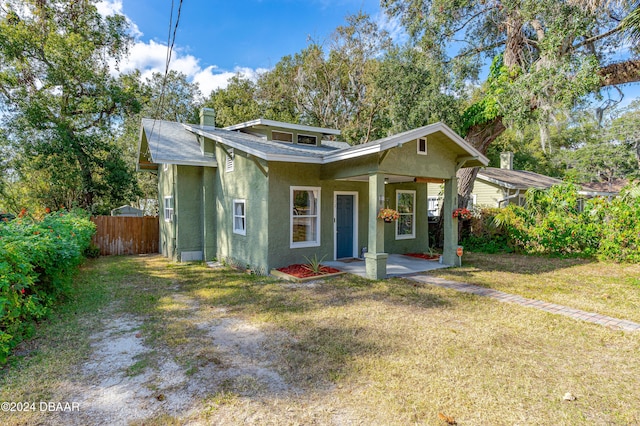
171 39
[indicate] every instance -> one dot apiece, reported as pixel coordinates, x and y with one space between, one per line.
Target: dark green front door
344 226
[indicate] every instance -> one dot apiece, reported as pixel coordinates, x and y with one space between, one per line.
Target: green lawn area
348 350
606 288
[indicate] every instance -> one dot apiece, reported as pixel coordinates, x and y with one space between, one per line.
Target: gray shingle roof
177 143
170 143
260 146
517 179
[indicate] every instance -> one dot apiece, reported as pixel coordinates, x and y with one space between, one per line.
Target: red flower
47 210
22 291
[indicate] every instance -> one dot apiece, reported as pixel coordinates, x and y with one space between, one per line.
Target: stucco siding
246 182
166 188
188 209
420 243
439 162
282 176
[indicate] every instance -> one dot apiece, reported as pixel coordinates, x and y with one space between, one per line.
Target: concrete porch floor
397 264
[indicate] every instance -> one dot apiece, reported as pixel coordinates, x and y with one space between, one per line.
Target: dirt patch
126 381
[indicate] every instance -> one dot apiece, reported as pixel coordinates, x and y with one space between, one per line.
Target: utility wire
171 39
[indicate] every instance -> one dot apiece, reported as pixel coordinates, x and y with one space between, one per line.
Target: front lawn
249 349
603 287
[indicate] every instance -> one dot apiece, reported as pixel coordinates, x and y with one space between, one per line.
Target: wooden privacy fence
126 235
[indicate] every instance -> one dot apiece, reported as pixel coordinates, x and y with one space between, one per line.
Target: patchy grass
356 351
603 287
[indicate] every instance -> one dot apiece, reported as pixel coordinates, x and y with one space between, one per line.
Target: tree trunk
480 137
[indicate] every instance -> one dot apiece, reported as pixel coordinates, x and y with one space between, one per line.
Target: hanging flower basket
462 213
388 215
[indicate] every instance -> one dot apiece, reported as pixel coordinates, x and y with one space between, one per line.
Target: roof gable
166 142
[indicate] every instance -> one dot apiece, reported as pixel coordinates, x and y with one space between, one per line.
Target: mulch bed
424 256
302 271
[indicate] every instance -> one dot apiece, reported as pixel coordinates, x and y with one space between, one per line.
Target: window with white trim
168 208
472 202
239 217
230 160
405 205
305 216
282 136
307 140
433 206
422 146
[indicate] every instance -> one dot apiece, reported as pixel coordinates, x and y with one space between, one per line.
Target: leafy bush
552 223
486 235
37 262
621 222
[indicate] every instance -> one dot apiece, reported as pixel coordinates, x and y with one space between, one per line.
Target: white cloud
393 26
113 7
150 57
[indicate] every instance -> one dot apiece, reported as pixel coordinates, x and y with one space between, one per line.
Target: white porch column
376 258
450 228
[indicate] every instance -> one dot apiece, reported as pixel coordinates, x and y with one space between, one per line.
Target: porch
397 264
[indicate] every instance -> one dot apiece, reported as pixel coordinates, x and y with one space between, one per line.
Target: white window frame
309 136
282 133
472 202
243 216
418 146
230 163
413 214
301 244
438 200
168 209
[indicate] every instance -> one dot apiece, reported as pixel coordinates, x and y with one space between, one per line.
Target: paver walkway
553 308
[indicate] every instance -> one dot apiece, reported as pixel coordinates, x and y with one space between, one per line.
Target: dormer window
422 146
282 136
307 140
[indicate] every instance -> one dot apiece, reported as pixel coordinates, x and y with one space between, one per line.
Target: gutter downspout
506 199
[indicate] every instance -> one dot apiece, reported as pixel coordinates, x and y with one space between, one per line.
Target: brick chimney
207 117
506 160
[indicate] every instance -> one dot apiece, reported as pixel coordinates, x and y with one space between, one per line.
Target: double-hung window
406 224
433 206
305 216
239 217
168 208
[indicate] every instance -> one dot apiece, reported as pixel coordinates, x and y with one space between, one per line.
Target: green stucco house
266 193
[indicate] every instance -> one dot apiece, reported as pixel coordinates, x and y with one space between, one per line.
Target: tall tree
236 103
171 97
552 54
60 95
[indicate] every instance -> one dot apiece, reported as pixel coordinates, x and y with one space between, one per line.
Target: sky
217 38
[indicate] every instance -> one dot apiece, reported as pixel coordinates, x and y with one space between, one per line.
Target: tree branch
620 73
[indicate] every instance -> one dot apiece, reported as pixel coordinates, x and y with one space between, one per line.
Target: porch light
386 181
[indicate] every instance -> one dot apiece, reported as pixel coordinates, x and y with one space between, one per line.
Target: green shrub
485 235
621 221
551 223
37 262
